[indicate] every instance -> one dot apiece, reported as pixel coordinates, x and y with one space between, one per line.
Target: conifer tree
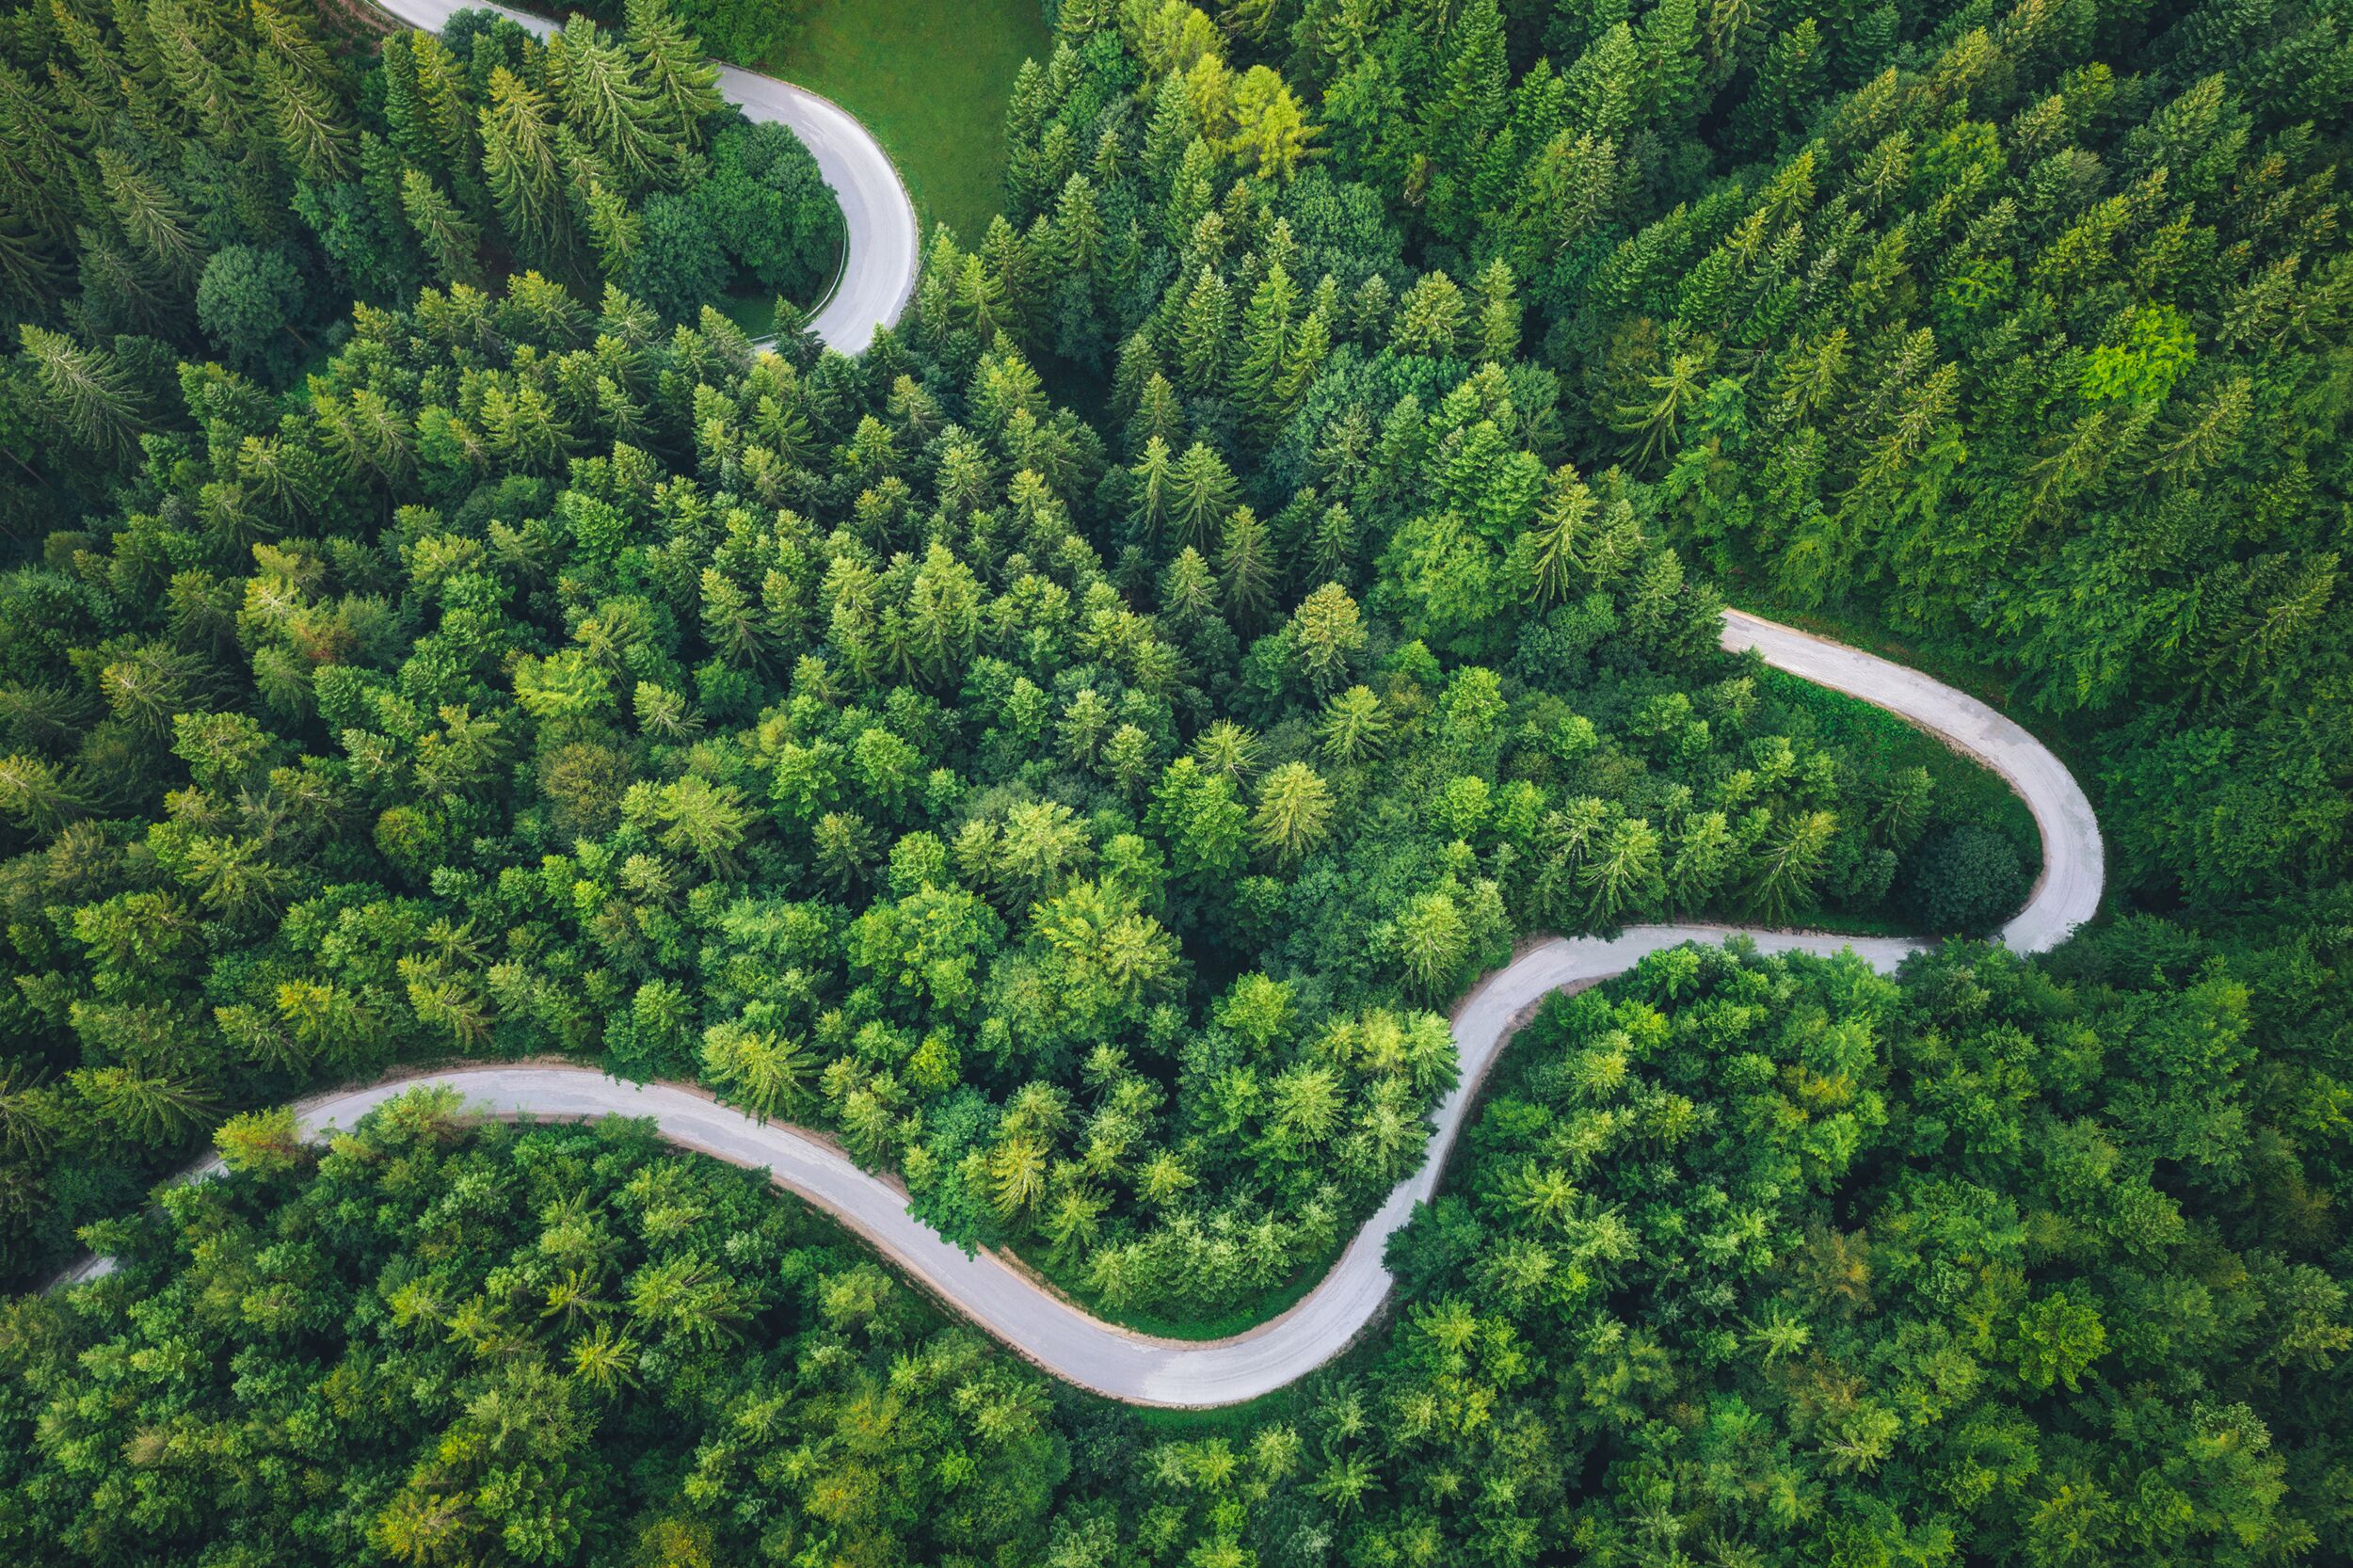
1272 132
613 228
153 217
1497 314
87 393
1203 330
311 129
1246 570
598 97
1138 361
1267 327
1160 415
681 87
1203 493
450 242
520 167
197 71
1294 813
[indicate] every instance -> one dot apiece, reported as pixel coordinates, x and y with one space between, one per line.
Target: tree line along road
1138 1368
880 261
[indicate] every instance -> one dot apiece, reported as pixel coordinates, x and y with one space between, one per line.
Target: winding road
1140 1370
880 263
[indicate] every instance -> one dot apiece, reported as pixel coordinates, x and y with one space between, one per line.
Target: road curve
1140 1370
881 260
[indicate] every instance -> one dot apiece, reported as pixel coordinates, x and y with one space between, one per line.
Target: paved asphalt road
1139 1369
878 275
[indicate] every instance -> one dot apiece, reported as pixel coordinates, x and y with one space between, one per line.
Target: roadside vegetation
930 79
1087 813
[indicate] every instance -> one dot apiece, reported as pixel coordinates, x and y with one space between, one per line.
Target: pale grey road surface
2074 862
878 271
1140 1370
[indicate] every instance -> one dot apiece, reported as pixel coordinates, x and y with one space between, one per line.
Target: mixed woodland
1075 750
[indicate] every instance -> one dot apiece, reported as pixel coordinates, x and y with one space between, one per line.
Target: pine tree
1783 873
1272 132
304 95
449 125
35 797
408 119
28 274
1557 558
1077 229
1137 361
1310 346
1431 318
1172 129
37 161
1188 590
1622 875
1294 813
1331 552
1606 86
312 128
1461 118
1354 727
1570 189
1154 474
1266 332
1331 634
1246 570
199 77
1160 416
1496 318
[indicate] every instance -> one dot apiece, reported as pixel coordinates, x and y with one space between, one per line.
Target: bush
1965 880
767 203
679 265
248 301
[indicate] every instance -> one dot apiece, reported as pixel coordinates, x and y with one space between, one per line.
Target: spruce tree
681 87
89 394
598 97
449 241
153 216
1246 570
1203 330
521 169
1203 493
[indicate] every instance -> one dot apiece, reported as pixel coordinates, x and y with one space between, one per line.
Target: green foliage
1081 816
1964 879
558 1346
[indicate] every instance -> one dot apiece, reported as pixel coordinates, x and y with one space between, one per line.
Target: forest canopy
1074 749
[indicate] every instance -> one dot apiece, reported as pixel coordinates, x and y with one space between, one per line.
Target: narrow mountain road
1140 1370
880 263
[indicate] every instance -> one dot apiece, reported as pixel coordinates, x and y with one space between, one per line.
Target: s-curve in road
1140 1370
880 262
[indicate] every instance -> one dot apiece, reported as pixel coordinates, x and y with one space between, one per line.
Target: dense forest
231 178
1751 1262
1075 750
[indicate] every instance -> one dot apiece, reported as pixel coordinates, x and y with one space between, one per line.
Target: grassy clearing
1990 686
930 78
755 312
1244 1315
1966 791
